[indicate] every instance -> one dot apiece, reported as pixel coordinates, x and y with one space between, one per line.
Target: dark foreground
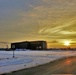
66 66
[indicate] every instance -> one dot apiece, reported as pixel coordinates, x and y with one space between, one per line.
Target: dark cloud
54 41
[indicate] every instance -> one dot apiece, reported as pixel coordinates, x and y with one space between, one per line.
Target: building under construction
32 45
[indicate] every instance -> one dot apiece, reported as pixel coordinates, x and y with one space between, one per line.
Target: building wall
33 45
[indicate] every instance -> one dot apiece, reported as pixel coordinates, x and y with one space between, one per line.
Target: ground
65 66
28 59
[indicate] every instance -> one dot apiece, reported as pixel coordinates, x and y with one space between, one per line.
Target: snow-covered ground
27 59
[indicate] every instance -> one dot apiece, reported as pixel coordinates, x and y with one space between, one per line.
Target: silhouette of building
33 45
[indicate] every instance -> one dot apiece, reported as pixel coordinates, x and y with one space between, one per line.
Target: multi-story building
33 45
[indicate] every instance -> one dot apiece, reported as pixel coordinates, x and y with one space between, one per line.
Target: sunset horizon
53 21
37 37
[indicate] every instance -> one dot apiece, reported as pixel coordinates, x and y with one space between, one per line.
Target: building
33 45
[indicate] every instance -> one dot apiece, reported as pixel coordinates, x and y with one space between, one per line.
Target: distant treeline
5 49
61 49
9 49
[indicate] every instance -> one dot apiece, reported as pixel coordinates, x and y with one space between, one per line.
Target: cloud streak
37 19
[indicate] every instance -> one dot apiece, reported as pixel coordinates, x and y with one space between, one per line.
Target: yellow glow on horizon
67 43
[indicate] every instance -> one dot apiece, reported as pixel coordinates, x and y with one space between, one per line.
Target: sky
51 20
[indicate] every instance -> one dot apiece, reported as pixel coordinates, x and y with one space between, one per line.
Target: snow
27 59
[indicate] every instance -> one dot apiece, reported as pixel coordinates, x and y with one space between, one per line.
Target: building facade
33 45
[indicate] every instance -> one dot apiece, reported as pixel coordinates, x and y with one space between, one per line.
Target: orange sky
51 20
